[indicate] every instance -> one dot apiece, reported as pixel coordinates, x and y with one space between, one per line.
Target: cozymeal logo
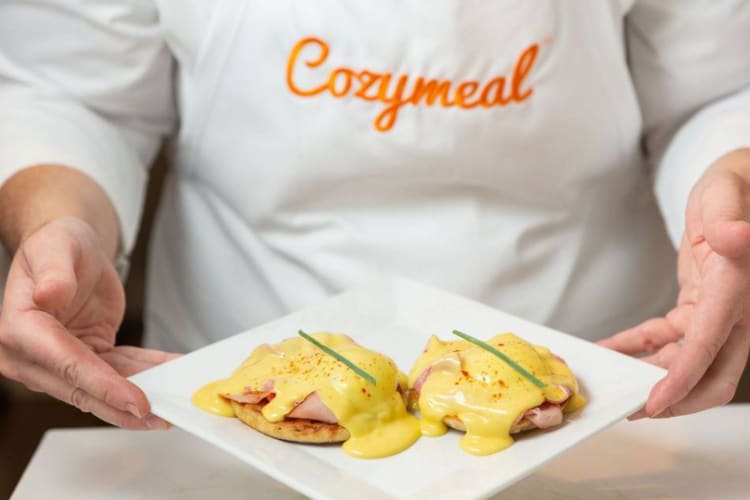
397 91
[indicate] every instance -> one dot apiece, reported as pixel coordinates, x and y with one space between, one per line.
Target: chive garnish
359 371
487 347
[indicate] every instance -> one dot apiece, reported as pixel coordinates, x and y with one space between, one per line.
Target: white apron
488 148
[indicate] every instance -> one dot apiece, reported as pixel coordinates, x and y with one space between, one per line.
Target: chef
556 160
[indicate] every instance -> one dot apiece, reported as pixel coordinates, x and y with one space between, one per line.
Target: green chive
359 371
487 347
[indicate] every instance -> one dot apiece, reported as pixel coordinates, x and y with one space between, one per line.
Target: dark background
25 415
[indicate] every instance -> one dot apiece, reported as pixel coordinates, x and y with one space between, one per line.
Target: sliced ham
250 397
267 385
254 397
545 415
548 414
312 408
420 381
450 363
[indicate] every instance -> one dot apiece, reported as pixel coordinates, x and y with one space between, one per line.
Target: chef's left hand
704 340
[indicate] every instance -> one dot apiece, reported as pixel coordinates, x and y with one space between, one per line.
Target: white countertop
700 456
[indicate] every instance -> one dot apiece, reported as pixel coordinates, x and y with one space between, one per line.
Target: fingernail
637 416
133 410
155 423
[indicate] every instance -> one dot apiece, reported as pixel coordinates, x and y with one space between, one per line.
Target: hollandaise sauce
488 395
374 413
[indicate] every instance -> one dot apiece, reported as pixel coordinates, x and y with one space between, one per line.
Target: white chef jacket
513 151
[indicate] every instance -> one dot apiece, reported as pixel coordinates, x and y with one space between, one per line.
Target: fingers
724 216
128 360
151 356
664 356
124 365
53 274
638 415
57 288
64 355
646 337
715 313
719 384
39 379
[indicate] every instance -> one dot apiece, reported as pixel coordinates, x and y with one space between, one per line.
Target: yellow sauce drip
374 415
209 399
484 392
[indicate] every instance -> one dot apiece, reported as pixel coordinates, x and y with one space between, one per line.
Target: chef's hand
62 306
704 340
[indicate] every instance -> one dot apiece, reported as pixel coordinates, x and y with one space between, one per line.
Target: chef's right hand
62 307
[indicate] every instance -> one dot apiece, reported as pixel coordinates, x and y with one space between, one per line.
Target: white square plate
397 317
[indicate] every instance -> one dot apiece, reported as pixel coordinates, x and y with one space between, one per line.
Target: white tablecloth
701 456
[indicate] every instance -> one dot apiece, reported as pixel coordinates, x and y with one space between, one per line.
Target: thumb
724 216
52 269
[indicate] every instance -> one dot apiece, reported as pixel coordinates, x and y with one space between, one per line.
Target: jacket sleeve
691 69
86 84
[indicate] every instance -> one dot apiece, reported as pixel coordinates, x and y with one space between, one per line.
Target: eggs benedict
490 390
320 388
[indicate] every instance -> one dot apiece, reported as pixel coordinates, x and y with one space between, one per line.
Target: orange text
397 91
